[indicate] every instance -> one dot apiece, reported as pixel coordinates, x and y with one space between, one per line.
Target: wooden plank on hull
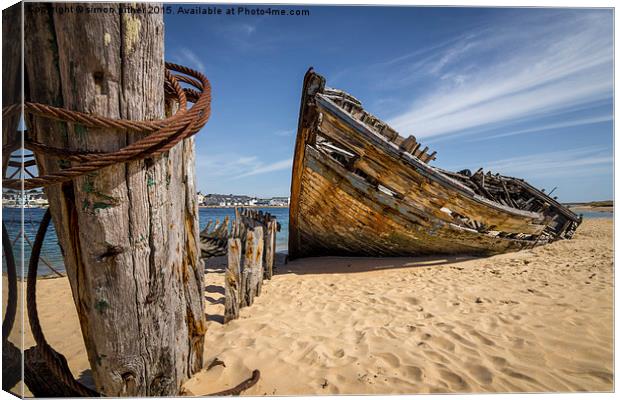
343 214
312 84
359 188
411 177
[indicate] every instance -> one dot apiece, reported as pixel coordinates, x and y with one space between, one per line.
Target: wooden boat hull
356 192
378 225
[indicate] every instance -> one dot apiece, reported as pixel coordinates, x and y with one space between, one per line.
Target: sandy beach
539 320
586 208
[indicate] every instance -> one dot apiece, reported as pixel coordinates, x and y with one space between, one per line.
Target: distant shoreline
39 207
592 208
243 206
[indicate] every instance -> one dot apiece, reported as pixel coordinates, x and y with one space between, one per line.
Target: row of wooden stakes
251 259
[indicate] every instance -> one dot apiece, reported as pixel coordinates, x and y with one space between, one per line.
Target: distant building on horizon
233 200
29 198
280 201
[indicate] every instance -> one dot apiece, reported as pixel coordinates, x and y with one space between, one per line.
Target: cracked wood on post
252 274
270 248
255 260
129 233
12 357
232 288
11 81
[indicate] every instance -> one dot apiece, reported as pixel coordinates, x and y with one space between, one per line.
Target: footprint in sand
518 342
386 300
518 375
499 362
300 345
461 339
339 353
248 342
444 327
385 332
413 372
454 380
390 359
412 300
443 343
481 373
482 338
604 376
435 357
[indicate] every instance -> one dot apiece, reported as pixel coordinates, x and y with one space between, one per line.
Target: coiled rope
162 135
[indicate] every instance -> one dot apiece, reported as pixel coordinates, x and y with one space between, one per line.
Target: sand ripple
534 321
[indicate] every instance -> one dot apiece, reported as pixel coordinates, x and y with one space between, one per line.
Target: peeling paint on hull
358 188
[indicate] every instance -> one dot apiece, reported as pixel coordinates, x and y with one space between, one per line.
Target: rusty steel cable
47 352
162 134
236 391
49 355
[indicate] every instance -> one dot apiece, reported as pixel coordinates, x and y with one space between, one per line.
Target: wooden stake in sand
232 284
270 247
252 274
129 232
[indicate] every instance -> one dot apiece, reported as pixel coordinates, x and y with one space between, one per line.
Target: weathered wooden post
129 232
270 247
252 266
257 260
232 284
11 82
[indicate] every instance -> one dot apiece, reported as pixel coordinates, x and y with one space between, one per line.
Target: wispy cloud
422 51
431 61
191 59
222 165
577 162
245 36
247 28
541 68
233 166
265 168
284 132
540 128
233 29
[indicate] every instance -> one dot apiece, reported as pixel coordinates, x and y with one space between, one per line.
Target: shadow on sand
328 265
345 265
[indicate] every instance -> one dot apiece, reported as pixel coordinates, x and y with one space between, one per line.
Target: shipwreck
359 188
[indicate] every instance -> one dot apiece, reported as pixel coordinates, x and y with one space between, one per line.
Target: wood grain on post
12 355
232 286
257 261
246 299
11 79
252 265
270 248
129 232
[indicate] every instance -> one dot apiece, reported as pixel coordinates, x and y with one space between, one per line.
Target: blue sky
524 92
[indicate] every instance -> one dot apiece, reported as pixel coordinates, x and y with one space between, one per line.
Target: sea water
51 249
